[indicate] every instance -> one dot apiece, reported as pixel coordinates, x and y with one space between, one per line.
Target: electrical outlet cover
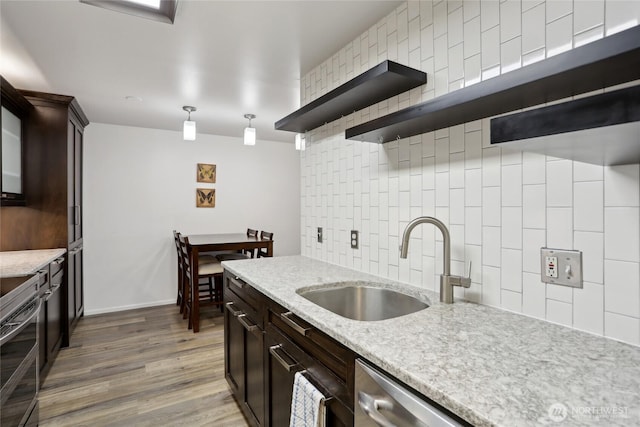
561 267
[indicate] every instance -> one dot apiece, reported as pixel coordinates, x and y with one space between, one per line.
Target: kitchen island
488 366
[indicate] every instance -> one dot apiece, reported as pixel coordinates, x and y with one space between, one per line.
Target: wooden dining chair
262 252
251 253
208 293
202 259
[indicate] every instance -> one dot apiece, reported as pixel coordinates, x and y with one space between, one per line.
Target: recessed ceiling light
158 10
133 98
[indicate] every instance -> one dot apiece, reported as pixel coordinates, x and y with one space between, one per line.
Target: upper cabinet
377 84
15 110
607 62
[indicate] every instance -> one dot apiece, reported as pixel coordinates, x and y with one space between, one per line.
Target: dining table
224 242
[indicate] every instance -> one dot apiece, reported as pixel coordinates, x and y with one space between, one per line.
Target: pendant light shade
249 132
189 127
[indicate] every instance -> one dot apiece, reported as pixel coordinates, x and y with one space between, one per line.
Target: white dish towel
307 404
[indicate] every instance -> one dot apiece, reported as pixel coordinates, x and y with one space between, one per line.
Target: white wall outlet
561 267
354 239
551 266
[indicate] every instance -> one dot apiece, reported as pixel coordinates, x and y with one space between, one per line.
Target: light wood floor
141 368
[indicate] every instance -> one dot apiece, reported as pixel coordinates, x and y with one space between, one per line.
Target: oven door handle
8 336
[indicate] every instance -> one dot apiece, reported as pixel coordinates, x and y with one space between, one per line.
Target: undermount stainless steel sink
359 301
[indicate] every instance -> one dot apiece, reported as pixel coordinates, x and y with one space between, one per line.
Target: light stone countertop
489 366
17 263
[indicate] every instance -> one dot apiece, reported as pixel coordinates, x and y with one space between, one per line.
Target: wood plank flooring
141 368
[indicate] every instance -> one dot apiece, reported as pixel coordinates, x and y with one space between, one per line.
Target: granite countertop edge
18 263
488 366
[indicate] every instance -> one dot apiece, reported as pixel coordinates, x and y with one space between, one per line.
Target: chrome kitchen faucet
447 281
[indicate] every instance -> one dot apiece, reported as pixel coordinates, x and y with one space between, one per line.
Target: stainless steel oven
19 309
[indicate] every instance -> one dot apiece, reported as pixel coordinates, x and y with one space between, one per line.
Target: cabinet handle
58 261
299 329
235 313
238 282
244 322
286 365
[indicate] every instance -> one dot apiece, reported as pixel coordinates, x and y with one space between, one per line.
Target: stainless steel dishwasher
382 401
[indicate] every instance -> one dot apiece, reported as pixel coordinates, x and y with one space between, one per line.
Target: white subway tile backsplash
588 206
489 14
587 172
490 49
560 228
559 36
559 312
510 57
532 241
512 185
533 296
511 301
512 227
490 285
491 252
511 270
622 234
533 29
560 183
533 204
620 15
622 328
588 308
587 15
622 185
501 205
558 8
510 20
472 37
622 287
473 187
592 247
491 207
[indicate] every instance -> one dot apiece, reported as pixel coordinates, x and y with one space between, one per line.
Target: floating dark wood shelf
606 62
377 84
601 129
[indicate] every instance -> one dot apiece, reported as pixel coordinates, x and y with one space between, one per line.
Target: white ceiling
227 58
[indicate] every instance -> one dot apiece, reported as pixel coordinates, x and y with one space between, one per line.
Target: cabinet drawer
284 359
56 266
235 286
324 348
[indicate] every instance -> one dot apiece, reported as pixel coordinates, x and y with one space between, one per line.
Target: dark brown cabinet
244 348
53 218
264 348
50 320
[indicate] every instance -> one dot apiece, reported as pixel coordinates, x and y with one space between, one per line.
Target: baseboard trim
88 312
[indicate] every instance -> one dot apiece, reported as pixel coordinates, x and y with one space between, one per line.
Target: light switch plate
561 267
354 239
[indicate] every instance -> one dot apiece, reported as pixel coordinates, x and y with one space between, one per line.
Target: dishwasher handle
371 406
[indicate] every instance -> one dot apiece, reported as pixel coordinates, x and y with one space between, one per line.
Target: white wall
139 185
500 207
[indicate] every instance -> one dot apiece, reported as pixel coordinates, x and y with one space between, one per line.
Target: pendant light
189 128
249 132
300 142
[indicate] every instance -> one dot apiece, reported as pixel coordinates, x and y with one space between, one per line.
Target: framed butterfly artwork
205 197
206 173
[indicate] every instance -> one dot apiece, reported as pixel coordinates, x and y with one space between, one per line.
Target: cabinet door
234 352
77 177
78 284
254 372
54 322
281 369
